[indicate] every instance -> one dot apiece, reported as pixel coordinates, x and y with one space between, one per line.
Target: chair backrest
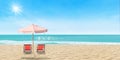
27 46
41 47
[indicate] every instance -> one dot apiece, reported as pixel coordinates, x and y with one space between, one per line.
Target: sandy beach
63 52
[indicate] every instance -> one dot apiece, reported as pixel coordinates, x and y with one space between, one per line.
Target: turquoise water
59 39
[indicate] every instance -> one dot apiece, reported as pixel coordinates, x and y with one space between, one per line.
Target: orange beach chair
27 49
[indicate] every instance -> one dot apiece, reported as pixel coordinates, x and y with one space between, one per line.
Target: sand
63 52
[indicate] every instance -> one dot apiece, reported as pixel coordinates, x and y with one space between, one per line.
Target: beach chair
27 49
41 48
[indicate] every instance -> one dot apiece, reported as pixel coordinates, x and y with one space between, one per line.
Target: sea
60 39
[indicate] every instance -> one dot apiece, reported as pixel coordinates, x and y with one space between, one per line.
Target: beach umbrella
33 29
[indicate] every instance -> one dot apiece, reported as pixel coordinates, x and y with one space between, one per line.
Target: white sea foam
12 42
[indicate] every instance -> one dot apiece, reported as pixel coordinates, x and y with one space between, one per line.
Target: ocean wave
57 42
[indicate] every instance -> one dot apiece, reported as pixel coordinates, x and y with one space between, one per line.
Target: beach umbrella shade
33 29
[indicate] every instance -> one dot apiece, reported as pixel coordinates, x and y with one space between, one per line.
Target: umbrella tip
33 24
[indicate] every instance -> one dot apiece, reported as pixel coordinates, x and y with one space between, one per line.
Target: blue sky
61 16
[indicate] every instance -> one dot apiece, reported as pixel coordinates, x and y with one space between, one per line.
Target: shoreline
61 43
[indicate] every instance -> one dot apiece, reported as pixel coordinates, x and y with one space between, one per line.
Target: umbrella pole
33 44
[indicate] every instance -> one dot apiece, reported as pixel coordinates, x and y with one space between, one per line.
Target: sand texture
63 52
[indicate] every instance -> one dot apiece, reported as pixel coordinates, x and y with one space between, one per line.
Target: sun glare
16 9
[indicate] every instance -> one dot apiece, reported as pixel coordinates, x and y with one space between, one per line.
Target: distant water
61 39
